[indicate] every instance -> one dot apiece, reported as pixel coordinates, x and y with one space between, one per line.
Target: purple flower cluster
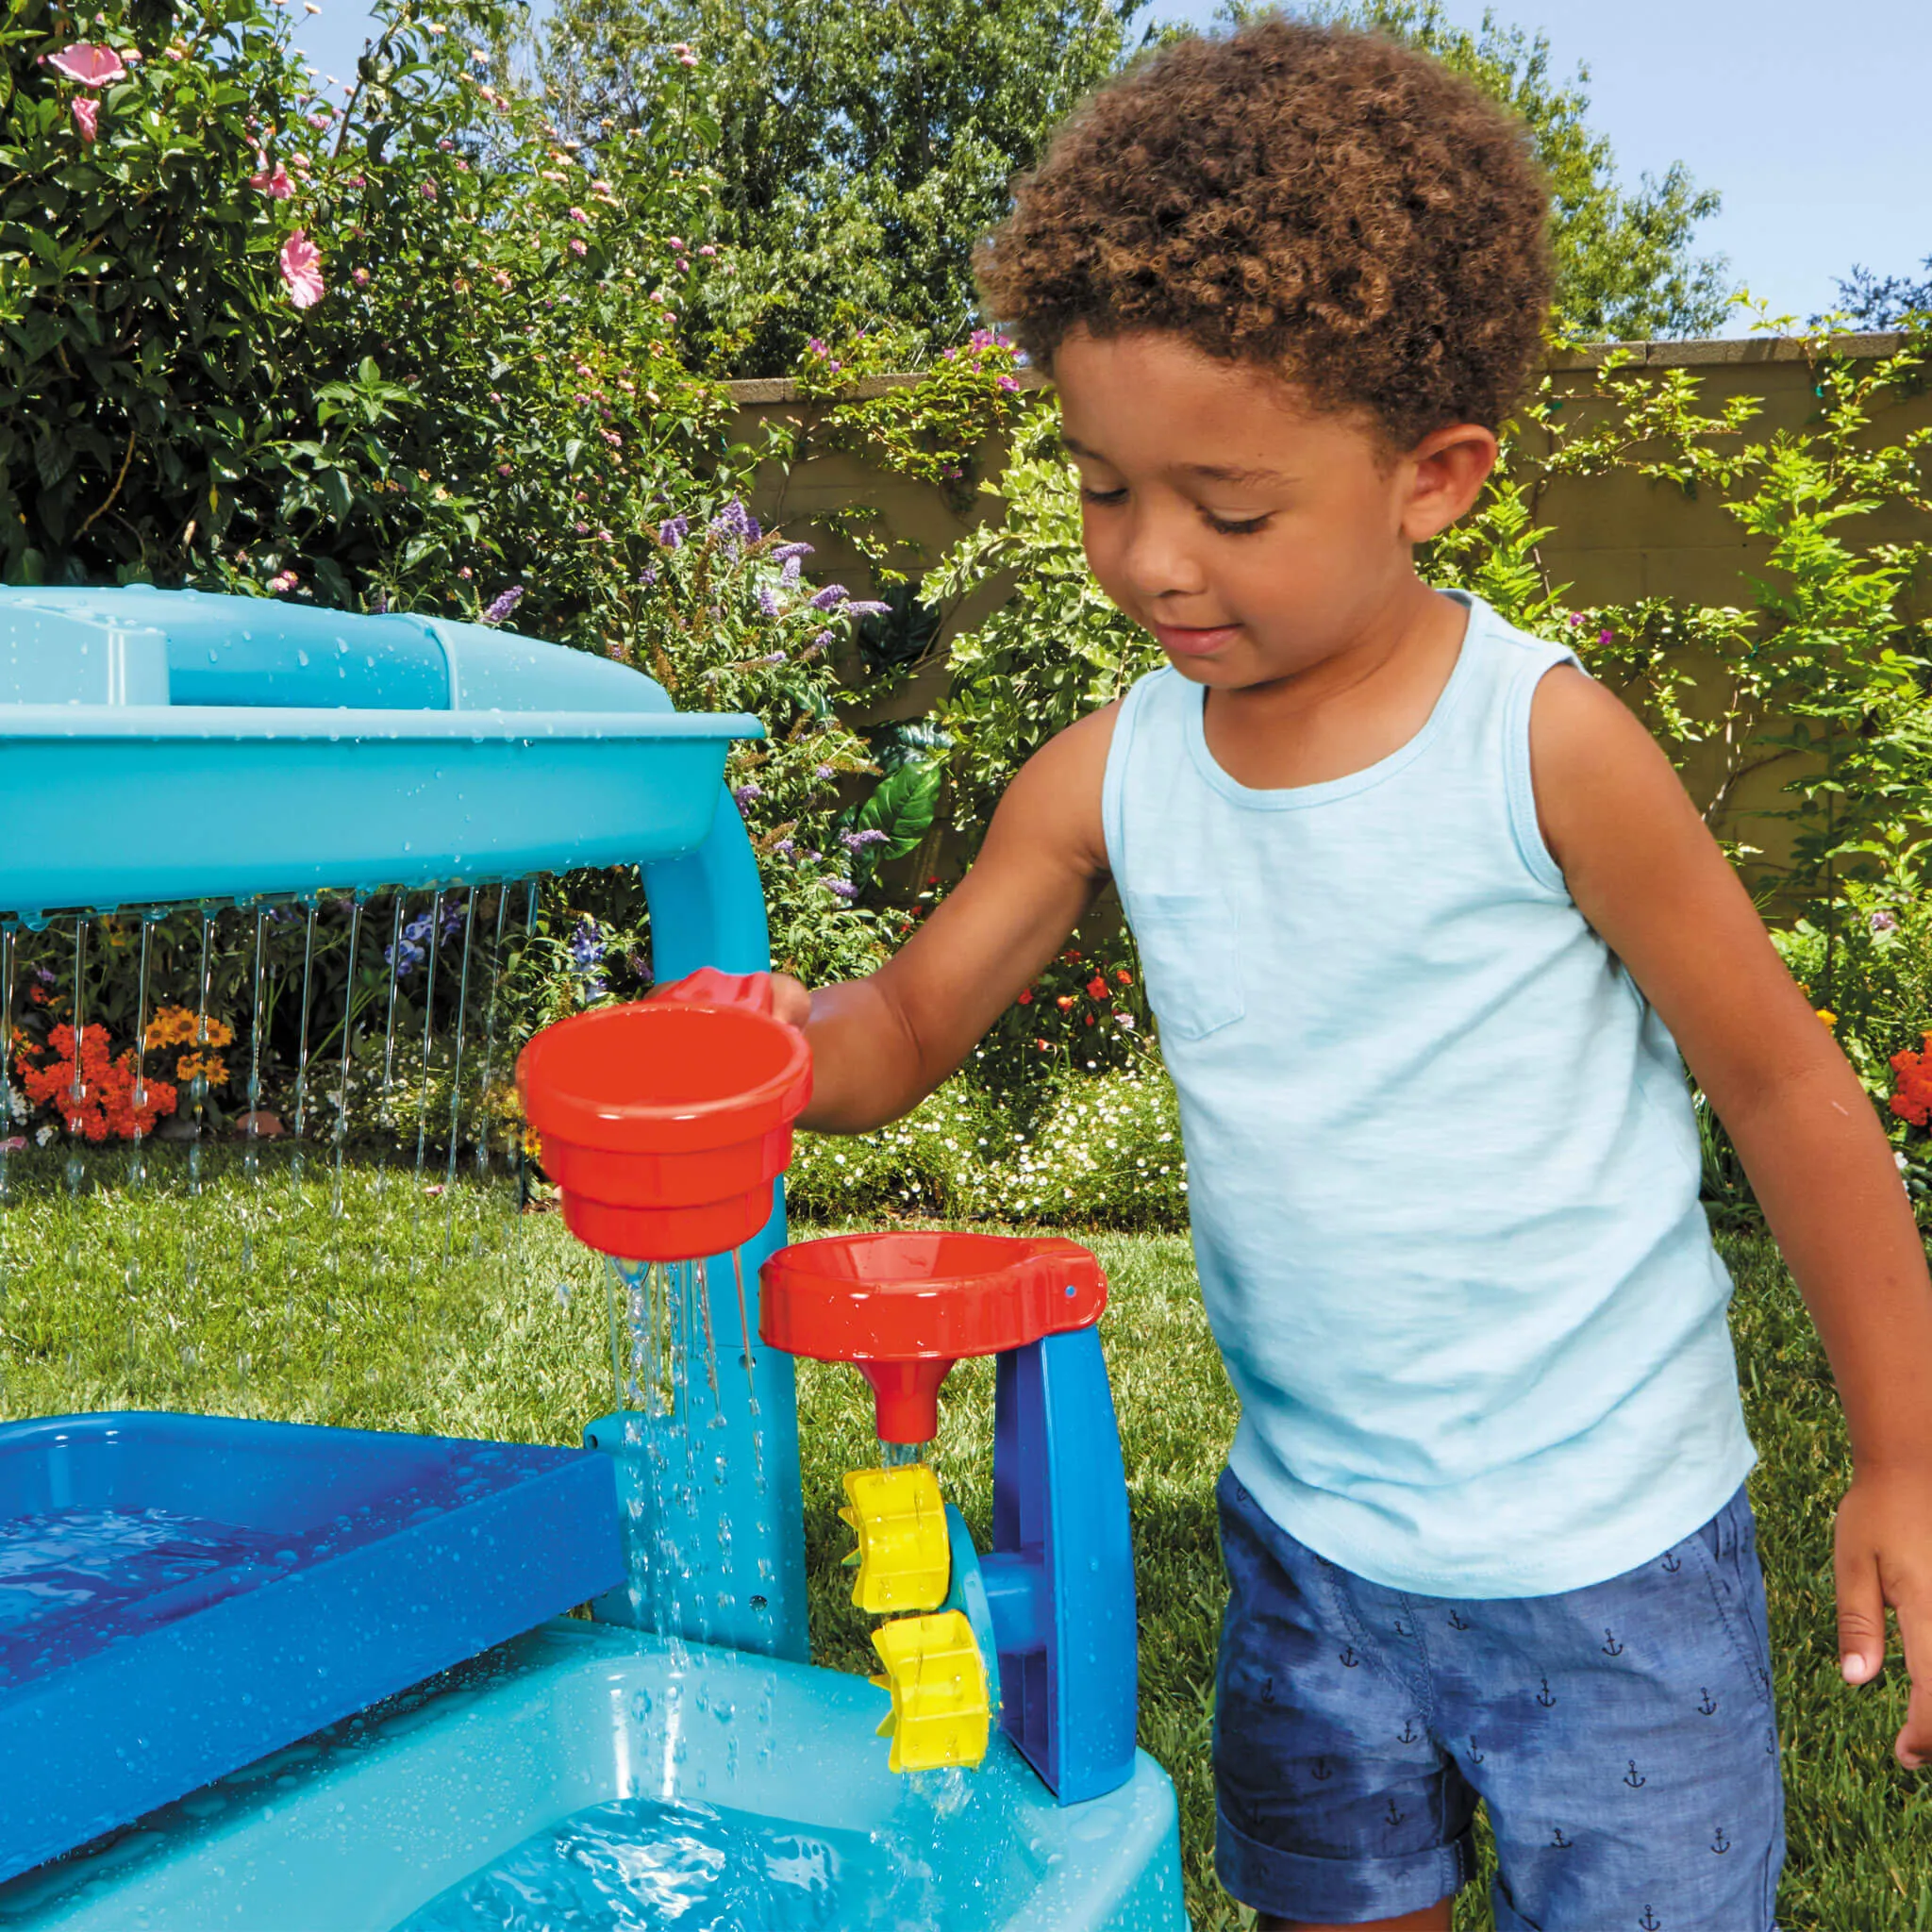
857 841
735 521
841 888
412 949
586 957
673 530
500 606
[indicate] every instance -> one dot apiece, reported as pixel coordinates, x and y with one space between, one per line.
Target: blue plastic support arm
741 1521
1060 1580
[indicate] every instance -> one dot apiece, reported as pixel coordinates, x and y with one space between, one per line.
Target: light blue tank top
1443 1163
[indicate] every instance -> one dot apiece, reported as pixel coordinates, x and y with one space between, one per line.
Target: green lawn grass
448 1312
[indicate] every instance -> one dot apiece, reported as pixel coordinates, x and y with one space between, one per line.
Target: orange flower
1096 988
1911 1098
98 1098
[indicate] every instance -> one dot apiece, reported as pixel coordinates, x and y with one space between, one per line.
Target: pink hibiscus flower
87 116
302 269
274 184
91 65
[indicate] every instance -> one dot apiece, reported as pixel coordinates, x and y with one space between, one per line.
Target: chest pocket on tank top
1187 944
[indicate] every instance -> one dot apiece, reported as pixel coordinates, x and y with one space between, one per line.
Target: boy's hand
1883 1555
791 1002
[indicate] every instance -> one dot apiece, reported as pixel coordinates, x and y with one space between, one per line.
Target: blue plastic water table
226 1589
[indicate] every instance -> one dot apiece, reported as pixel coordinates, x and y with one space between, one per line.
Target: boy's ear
1442 476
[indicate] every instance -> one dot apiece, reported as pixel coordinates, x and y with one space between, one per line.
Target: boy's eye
1088 494
1245 526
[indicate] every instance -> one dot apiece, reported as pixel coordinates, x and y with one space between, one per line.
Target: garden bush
1090 1149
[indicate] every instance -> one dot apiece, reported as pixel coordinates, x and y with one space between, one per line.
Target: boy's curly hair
1318 201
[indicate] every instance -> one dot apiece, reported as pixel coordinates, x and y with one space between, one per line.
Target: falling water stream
285 1037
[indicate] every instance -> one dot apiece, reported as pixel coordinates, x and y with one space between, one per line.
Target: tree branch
126 458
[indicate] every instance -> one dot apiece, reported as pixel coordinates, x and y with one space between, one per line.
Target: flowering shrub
1085 1013
103 1096
386 340
726 620
935 1161
1103 1151
1912 1095
178 1026
936 429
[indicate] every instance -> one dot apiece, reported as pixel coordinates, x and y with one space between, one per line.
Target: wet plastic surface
356 1830
422 750
179 1595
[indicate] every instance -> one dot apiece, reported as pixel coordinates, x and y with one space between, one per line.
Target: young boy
1426 918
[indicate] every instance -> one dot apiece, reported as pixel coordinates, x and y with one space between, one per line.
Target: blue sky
1810 122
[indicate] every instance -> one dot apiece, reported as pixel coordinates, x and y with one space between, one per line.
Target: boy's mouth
1185 641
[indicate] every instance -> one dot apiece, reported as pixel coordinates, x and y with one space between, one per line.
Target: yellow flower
1829 1018
179 1027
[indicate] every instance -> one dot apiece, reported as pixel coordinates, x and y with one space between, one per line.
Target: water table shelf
180 1594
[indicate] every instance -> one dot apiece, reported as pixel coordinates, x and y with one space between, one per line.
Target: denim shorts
1621 1736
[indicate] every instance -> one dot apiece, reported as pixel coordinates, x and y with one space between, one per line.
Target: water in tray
643 1865
55 1565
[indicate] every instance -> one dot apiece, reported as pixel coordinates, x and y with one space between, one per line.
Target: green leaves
902 806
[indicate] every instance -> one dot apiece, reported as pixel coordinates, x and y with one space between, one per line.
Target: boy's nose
1158 561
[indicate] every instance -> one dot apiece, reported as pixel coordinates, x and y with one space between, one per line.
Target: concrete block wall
1615 538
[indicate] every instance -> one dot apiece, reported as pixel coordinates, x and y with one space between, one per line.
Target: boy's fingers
791 1003
1860 1615
1913 1747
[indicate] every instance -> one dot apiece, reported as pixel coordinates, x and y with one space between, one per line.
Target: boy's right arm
881 1044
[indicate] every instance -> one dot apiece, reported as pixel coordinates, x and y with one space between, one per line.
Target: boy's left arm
1647 875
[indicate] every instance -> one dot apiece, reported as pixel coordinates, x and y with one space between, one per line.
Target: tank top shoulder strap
1515 663
1146 720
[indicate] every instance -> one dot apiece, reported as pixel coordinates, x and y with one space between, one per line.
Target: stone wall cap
1723 352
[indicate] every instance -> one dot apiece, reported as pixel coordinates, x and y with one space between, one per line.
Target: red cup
665 1123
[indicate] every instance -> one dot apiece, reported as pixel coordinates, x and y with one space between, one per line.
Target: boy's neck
1349 709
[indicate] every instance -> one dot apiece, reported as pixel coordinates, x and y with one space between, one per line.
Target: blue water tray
180 1594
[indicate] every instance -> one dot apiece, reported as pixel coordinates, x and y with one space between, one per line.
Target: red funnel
904 1308
665 1123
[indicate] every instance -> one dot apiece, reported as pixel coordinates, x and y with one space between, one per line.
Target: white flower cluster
1105 1150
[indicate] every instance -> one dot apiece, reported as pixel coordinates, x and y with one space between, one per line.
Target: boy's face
1254 537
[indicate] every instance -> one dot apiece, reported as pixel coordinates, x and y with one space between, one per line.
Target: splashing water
456 1082
645 1865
